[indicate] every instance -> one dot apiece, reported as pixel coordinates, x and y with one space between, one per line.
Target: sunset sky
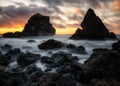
65 15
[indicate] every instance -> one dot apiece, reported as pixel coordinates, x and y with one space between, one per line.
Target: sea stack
37 25
93 28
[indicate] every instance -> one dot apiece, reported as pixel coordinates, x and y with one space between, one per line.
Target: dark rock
66 80
93 28
6 47
4 60
14 52
14 79
36 75
31 41
20 79
79 50
38 25
48 79
103 65
8 35
32 68
27 59
70 46
104 82
4 79
60 58
46 60
116 46
51 44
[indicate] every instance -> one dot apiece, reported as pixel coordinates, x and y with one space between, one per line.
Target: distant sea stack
36 25
93 28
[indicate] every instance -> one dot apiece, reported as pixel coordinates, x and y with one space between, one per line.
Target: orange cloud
116 5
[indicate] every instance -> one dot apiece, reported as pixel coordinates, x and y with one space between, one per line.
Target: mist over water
33 47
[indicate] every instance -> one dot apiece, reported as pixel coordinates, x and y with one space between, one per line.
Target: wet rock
20 79
51 44
6 47
4 59
104 82
66 80
116 46
70 46
27 59
14 79
93 28
60 58
31 41
14 52
79 50
103 65
32 68
36 75
48 79
38 25
46 60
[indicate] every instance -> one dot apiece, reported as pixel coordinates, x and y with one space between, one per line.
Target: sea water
26 46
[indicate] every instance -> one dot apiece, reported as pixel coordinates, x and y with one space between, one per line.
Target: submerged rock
31 41
51 44
93 28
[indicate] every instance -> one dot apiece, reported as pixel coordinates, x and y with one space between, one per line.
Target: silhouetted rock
93 28
38 25
51 44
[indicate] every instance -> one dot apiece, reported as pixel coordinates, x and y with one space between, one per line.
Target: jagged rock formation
93 28
36 25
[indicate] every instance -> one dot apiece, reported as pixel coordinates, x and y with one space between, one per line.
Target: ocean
33 47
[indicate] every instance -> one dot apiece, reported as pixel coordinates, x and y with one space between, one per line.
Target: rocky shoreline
102 68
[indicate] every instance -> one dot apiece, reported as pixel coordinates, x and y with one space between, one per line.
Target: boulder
13 52
51 44
79 50
70 46
103 65
93 28
4 60
14 79
27 59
